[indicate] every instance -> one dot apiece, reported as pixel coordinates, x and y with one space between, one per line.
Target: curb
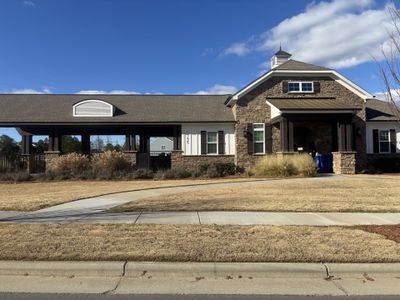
194 269
255 270
62 268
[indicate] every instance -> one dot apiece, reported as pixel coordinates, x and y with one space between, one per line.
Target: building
295 107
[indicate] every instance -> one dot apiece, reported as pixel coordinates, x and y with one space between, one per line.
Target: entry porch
136 144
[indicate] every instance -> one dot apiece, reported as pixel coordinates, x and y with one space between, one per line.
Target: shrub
284 166
141 174
15 177
304 164
175 173
110 164
68 166
218 169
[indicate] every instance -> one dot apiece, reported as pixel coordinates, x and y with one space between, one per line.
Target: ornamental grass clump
110 164
67 166
287 165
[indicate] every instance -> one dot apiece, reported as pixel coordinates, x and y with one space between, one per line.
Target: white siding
191 137
381 126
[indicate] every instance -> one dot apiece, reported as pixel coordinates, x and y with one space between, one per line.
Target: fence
20 163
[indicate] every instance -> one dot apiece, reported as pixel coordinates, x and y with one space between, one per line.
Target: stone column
49 157
344 162
177 159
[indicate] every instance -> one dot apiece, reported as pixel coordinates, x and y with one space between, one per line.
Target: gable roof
294 67
53 108
292 64
378 110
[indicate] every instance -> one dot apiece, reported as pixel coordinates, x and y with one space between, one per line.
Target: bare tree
390 68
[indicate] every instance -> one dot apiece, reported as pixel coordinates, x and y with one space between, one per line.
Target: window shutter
221 142
393 142
203 142
268 138
375 138
285 87
250 145
317 87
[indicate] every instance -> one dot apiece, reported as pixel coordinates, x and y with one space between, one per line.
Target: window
300 87
212 143
258 138
384 141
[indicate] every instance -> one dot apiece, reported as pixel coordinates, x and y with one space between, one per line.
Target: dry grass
378 193
35 195
194 243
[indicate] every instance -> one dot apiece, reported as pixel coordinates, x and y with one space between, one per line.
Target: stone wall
252 108
344 162
192 162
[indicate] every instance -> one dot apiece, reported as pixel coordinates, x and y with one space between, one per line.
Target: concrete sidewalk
216 217
200 278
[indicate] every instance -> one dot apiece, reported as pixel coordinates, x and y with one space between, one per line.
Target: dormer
279 58
93 108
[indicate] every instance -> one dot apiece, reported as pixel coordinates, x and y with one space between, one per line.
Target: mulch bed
391 232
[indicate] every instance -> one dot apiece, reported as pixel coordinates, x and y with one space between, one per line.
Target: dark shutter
221 142
375 138
393 142
285 87
317 87
268 138
203 142
249 134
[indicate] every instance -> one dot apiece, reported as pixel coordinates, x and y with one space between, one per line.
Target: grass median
31 196
197 243
357 193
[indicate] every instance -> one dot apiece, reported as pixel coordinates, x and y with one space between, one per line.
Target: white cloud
27 91
113 92
239 49
384 95
337 34
29 3
218 90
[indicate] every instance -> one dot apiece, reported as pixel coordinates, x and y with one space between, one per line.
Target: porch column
26 153
345 137
286 135
130 151
55 141
177 138
85 143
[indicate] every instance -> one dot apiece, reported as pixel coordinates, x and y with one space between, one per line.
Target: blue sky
183 46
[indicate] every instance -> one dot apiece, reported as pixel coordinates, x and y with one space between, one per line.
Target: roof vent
279 58
93 108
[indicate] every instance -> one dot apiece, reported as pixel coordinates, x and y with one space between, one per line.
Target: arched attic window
93 108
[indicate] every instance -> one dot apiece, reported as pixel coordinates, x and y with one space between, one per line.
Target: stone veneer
131 156
49 157
252 108
344 162
192 162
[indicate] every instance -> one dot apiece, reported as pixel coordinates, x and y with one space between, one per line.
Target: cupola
279 58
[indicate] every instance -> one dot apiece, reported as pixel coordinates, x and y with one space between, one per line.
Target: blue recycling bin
324 163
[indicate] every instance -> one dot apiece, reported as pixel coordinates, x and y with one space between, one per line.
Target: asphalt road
27 296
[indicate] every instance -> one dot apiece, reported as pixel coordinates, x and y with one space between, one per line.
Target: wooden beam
284 135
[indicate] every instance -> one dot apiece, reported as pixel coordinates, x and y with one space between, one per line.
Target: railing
160 153
37 164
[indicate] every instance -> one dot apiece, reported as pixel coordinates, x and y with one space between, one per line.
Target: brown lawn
35 195
194 243
357 193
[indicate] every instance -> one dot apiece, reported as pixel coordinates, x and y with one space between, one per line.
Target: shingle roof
378 110
311 104
280 52
130 108
294 65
